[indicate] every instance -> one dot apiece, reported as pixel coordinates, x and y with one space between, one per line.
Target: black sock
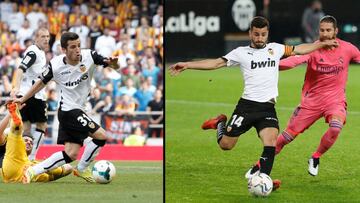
267 159
220 130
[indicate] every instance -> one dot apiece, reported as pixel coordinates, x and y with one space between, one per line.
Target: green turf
198 171
134 182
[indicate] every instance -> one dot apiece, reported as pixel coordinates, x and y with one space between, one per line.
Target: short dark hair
29 136
329 19
67 36
259 22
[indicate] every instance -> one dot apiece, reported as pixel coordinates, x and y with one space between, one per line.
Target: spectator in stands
104 106
135 16
128 89
74 15
137 138
105 44
156 105
128 29
123 54
156 18
131 73
64 8
125 105
56 19
12 45
143 96
94 97
94 33
151 70
35 16
149 80
24 33
15 19
5 10
310 21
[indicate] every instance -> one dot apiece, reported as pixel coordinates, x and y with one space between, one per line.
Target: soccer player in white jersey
259 63
31 67
72 73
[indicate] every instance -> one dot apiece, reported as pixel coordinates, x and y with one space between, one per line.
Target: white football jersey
33 64
260 68
73 81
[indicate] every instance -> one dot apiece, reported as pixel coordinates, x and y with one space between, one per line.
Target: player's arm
302 49
105 61
45 77
28 60
293 61
207 64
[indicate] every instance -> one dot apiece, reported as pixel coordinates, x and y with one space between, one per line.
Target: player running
17 147
72 72
31 67
323 93
259 64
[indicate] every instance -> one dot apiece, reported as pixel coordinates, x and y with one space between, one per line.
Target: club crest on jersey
82 68
91 125
341 60
271 51
228 129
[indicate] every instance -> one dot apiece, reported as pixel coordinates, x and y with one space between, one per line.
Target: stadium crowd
131 30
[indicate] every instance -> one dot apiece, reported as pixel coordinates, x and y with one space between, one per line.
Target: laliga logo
243 11
199 25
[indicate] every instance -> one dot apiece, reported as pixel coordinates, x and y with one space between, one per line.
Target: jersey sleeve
98 59
233 57
288 50
28 60
293 61
47 75
355 54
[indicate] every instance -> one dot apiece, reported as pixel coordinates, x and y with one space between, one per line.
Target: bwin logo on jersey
78 81
262 64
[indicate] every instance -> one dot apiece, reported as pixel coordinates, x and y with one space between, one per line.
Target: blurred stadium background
215 27
129 29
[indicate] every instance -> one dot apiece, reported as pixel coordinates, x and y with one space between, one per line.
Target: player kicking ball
18 147
259 63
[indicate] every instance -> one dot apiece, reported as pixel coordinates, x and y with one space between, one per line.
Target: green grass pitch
197 170
134 182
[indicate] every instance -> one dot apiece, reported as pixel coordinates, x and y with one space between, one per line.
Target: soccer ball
260 185
103 171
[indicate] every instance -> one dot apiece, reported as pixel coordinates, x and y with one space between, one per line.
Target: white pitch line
187 102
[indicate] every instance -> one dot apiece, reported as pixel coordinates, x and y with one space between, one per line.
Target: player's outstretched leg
212 123
218 123
314 166
327 141
16 125
61 172
92 149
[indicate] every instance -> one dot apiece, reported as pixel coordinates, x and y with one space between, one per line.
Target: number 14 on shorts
236 120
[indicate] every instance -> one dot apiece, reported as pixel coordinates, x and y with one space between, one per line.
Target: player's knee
226 145
100 134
